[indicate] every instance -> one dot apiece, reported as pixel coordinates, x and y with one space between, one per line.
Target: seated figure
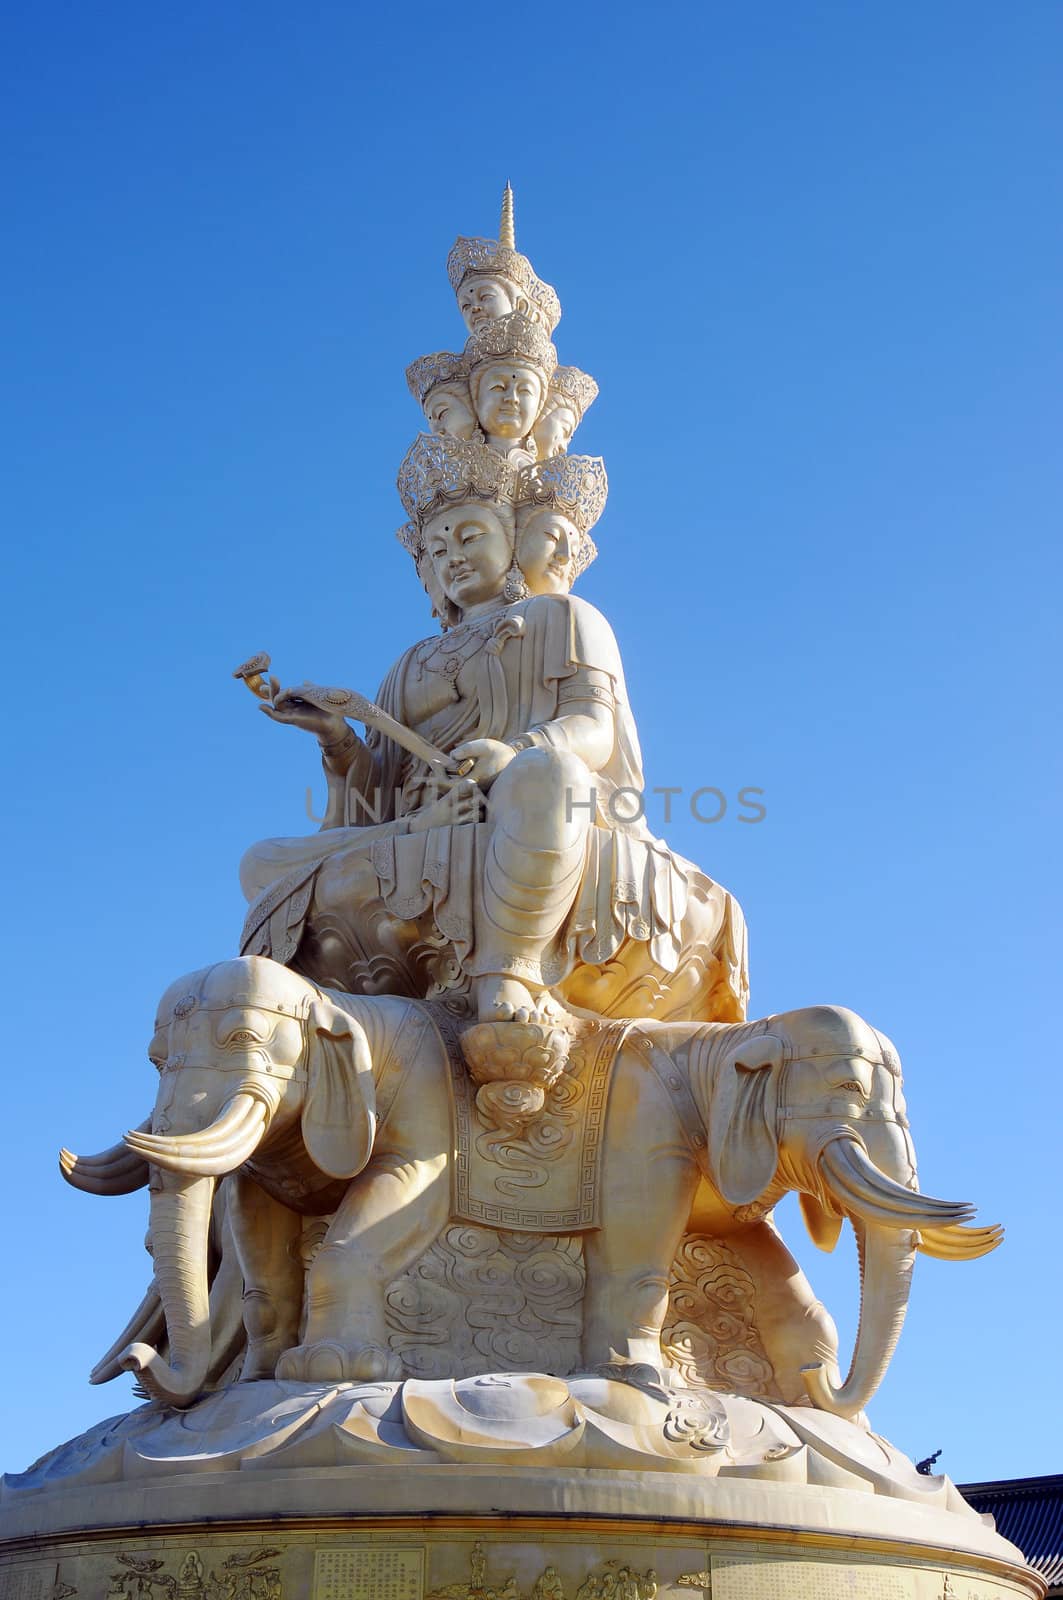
530 873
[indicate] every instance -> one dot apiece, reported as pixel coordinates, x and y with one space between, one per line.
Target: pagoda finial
506 235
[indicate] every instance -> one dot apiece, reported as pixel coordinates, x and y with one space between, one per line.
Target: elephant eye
850 1086
243 1036
157 1061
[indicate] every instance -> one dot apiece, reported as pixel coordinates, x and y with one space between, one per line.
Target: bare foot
501 999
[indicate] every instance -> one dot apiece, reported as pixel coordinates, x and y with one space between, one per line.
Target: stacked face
501 415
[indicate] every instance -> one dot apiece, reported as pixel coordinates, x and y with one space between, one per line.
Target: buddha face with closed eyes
448 409
548 545
554 429
470 548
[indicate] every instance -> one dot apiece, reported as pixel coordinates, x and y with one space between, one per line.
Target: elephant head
811 1101
247 1051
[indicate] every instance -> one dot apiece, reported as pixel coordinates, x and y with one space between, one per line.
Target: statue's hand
289 706
489 758
463 802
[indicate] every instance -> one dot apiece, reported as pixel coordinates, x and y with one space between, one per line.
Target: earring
515 587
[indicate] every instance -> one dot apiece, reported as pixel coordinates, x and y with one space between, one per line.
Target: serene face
449 410
547 546
483 300
508 398
554 430
470 550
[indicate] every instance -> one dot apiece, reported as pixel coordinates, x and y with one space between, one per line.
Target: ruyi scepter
347 703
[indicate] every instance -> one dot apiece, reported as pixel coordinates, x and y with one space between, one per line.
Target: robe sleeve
578 638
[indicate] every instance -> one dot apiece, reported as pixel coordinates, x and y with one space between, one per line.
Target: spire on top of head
500 258
506 233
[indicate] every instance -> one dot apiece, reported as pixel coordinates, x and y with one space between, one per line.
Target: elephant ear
339 1112
743 1143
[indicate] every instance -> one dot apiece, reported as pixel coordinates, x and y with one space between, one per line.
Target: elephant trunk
147 1324
180 1220
887 1255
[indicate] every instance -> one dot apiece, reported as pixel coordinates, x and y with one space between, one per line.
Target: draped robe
641 914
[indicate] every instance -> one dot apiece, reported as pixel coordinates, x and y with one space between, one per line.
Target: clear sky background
811 252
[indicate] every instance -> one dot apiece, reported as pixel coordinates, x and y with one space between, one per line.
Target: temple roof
1029 1512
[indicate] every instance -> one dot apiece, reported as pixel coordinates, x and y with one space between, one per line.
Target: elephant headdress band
192 1001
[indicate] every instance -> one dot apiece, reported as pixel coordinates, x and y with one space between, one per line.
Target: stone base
286 1492
520 1534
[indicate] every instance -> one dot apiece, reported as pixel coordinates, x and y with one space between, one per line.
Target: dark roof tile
1029 1512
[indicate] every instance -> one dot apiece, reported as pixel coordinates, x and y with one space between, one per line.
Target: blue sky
811 254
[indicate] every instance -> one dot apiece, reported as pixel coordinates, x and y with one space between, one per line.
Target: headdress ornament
515 336
438 470
409 536
428 372
576 486
586 553
500 258
571 387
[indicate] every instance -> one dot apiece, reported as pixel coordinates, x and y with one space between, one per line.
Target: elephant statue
311 1102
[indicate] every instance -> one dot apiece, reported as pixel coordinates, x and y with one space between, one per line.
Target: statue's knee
345 880
544 792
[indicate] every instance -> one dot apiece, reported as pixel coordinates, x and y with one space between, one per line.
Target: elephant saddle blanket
541 1176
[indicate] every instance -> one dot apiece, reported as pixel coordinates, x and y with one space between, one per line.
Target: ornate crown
438 469
576 486
586 553
571 387
428 372
515 336
499 258
409 536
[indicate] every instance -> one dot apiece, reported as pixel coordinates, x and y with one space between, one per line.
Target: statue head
570 393
486 296
510 364
554 429
469 550
508 396
449 410
558 503
459 496
492 279
439 384
548 549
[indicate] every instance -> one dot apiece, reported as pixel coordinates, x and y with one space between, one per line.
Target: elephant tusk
222 1147
868 1192
114 1171
959 1244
